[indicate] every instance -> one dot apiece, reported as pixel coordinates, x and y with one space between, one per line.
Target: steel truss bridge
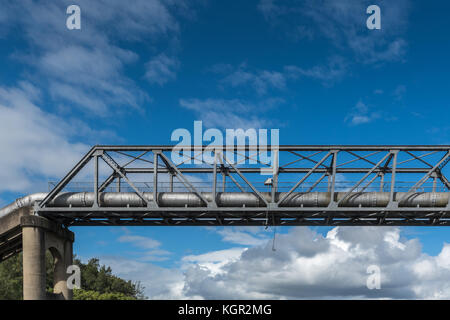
251 186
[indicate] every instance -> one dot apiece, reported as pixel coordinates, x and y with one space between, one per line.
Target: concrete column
38 235
33 263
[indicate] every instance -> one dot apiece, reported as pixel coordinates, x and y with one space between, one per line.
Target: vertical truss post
328 181
391 202
447 208
155 176
381 181
118 184
96 156
434 176
275 165
171 182
214 186
332 186
224 181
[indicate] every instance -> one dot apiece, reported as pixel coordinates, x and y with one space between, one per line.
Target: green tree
80 294
11 278
97 282
97 278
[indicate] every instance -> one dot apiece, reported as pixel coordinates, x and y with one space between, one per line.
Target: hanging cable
267 220
274 233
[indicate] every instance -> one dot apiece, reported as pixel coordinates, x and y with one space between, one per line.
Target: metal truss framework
319 171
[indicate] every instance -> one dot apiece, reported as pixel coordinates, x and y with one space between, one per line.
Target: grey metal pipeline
233 199
27 201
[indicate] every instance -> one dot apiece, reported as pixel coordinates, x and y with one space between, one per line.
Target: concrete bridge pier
38 236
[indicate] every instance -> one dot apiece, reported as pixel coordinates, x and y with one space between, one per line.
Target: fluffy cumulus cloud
86 68
71 70
344 24
33 143
305 265
159 283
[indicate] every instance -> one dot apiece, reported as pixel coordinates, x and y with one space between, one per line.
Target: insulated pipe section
233 199
165 199
248 199
27 201
368 199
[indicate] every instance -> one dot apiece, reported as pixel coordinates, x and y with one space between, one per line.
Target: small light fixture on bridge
268 182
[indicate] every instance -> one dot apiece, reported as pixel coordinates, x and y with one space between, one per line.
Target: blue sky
134 73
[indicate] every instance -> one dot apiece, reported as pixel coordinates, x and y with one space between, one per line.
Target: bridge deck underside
252 217
10 243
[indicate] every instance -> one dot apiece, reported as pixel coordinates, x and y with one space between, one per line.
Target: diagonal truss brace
182 178
255 191
60 186
363 178
115 166
439 165
304 178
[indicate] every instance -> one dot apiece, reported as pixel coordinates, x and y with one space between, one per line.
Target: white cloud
334 70
130 22
242 237
399 92
161 69
159 283
71 69
305 264
260 80
34 144
212 261
344 24
361 114
152 251
140 241
232 113
86 68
